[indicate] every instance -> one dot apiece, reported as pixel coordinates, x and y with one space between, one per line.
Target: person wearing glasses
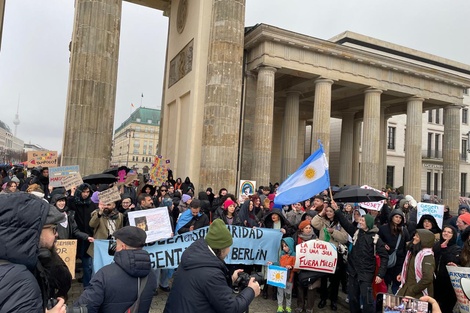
161 193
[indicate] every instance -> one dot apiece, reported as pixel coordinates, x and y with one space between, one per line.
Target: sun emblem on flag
277 276
309 173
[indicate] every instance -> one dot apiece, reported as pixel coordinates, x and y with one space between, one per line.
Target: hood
57 197
136 263
435 228
22 217
78 194
152 189
427 238
268 222
397 212
198 255
290 243
453 240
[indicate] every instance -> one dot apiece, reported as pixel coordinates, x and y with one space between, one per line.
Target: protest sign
67 250
155 222
57 174
250 246
376 206
159 171
436 210
277 276
42 158
109 195
458 278
316 255
246 189
72 181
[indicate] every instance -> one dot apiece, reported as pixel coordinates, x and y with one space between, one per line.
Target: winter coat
22 217
294 217
249 216
288 259
436 230
197 221
71 231
100 227
361 260
202 283
235 219
339 234
268 223
114 287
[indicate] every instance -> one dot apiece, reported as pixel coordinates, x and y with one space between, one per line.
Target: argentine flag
310 178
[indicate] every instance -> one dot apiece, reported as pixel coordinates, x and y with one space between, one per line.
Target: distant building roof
144 116
5 126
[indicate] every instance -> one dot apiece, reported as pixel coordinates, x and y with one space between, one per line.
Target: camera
244 278
112 247
53 302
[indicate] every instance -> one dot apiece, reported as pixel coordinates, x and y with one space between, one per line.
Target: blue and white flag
310 178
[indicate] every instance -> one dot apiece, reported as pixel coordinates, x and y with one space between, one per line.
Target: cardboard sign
246 189
377 206
436 210
42 158
277 276
109 195
316 255
67 250
57 174
71 181
155 222
460 279
159 171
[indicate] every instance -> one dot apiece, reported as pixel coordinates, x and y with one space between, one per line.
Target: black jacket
202 284
268 223
197 222
361 260
114 287
22 217
385 233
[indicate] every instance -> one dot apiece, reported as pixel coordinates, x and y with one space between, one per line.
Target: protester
418 269
202 282
427 221
247 215
294 216
287 260
229 216
192 219
361 261
117 286
144 202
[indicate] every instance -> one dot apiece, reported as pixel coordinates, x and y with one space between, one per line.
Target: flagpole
141 98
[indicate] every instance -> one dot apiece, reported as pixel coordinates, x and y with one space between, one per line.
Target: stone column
413 142
346 149
290 134
221 117
357 132
263 131
322 114
450 154
2 13
91 94
371 139
383 147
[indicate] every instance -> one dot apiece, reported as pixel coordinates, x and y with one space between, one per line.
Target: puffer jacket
114 287
361 260
22 217
202 284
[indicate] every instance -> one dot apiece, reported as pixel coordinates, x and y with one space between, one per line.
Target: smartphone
393 304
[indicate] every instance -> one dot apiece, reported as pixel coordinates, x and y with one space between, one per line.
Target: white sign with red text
316 255
377 206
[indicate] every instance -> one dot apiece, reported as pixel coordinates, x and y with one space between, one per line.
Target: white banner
460 279
155 222
436 210
316 255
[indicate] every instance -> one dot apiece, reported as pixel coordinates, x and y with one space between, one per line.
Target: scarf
418 266
306 237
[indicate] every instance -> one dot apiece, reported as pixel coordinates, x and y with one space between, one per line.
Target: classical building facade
135 142
11 147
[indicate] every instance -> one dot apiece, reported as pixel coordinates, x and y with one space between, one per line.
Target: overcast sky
34 56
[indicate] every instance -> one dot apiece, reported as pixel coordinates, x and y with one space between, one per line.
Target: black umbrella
358 195
114 170
99 179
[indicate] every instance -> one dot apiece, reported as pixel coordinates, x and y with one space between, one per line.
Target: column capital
415 98
373 90
267 68
323 80
453 106
293 92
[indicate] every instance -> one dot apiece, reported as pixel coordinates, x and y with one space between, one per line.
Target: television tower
16 121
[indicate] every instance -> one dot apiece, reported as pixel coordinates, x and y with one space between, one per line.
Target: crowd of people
388 248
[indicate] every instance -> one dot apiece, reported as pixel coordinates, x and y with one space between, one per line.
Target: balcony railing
431 154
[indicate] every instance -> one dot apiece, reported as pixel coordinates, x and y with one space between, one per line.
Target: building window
391 138
463 184
438 116
136 151
149 121
430 116
437 138
428 183
464 116
390 175
463 151
436 184
465 91
429 152
137 120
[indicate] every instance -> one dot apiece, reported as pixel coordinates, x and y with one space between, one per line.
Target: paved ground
259 305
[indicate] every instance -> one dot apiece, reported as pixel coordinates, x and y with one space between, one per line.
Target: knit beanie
369 221
218 236
185 198
228 203
465 217
304 224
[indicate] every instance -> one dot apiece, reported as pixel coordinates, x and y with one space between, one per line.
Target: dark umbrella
100 179
358 195
112 171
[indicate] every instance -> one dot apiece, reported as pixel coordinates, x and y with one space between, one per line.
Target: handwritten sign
246 189
376 206
316 255
109 195
159 171
458 277
67 250
277 276
57 174
436 210
155 222
71 181
42 158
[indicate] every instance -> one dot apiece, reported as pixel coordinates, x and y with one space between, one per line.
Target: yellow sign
42 158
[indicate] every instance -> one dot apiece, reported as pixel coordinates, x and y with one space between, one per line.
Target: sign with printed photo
155 222
246 189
